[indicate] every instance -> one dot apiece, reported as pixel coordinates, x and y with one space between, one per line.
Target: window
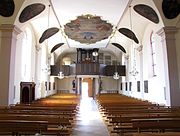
153 53
146 86
101 55
138 86
108 60
126 86
130 85
121 86
26 54
114 62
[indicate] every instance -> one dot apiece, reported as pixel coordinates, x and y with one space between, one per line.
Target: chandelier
46 69
95 52
60 75
134 71
116 75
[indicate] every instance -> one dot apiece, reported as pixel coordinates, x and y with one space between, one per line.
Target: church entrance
87 88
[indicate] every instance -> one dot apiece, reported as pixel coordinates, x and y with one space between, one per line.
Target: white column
170 61
79 85
8 39
141 71
37 77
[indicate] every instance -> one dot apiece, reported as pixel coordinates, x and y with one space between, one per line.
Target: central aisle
89 121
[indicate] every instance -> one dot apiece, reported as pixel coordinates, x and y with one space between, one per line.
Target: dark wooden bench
149 125
160 124
16 127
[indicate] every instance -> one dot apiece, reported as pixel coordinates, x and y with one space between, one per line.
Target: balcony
90 68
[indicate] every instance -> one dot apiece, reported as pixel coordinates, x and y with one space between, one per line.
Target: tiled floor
89 121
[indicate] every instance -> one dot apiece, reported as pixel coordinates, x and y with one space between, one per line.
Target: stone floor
89 121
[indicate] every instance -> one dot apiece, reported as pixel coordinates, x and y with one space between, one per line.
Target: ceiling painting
31 11
7 8
147 12
88 29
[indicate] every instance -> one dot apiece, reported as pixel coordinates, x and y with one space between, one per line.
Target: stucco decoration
119 46
128 33
171 8
147 12
48 33
88 29
56 47
7 8
31 11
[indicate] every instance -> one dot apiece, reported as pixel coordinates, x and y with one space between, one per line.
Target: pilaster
170 61
8 39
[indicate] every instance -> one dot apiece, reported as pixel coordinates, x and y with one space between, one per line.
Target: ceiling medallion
88 29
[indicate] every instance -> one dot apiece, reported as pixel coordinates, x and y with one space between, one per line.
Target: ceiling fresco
7 8
56 47
128 33
48 33
147 12
31 11
88 29
119 46
89 24
171 8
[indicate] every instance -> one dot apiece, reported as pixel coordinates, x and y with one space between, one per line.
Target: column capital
168 30
11 28
38 48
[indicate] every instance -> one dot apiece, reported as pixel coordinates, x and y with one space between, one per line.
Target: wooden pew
16 127
57 112
120 113
51 119
160 124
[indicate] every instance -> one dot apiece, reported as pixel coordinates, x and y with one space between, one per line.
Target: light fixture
116 75
46 69
95 52
60 75
134 71
38 134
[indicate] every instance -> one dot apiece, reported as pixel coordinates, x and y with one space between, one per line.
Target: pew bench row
126 115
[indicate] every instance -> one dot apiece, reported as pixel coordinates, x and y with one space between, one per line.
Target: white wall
108 83
18 64
39 58
65 84
18 69
96 86
156 84
73 57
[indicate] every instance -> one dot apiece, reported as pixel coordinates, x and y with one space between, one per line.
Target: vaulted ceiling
107 14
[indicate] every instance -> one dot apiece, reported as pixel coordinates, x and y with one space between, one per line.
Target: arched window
153 53
26 55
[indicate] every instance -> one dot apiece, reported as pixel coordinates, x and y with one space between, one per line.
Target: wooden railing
89 68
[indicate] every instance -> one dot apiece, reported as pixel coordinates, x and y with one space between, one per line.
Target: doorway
87 88
84 90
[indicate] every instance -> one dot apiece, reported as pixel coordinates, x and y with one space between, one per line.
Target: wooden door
90 86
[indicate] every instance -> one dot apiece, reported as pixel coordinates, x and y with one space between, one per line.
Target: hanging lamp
60 75
134 71
116 74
